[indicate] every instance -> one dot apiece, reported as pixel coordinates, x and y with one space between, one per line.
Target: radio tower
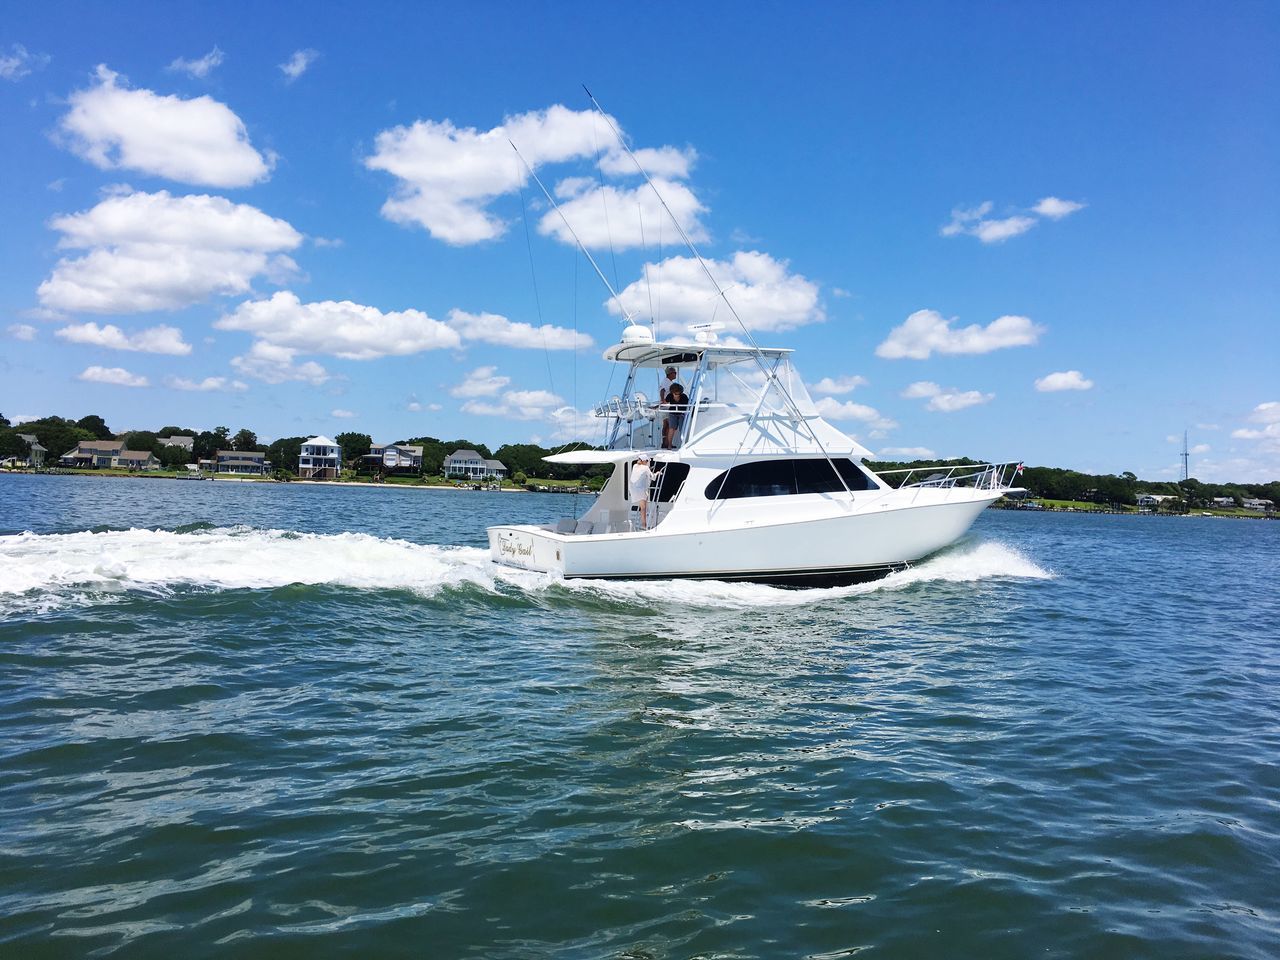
1186 458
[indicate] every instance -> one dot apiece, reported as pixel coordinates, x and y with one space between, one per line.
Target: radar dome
637 334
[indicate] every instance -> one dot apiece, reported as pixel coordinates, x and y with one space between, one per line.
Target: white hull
871 540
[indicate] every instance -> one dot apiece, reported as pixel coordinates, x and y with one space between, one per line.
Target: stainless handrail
981 476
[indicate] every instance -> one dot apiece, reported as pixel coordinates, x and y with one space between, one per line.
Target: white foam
43 566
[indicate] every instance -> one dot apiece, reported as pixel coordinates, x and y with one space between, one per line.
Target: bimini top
677 352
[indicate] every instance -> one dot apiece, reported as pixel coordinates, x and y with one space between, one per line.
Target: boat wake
44 571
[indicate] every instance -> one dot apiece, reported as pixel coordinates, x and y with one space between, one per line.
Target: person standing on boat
676 403
671 378
641 478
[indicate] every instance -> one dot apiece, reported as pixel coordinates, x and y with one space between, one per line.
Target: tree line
59 435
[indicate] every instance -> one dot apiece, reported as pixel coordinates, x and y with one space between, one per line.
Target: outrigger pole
626 314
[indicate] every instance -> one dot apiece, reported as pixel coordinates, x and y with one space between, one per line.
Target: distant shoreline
283 483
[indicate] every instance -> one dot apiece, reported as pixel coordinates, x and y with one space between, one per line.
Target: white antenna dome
637 334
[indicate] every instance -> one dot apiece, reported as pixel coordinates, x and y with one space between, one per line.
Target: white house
36 455
1257 503
1154 499
395 456
320 459
469 464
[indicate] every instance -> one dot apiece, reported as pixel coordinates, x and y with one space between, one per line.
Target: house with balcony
472 466
95 454
247 463
394 457
320 459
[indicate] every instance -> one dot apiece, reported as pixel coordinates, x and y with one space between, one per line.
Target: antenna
1185 456
626 315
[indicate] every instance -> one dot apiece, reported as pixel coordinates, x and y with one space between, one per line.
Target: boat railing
981 476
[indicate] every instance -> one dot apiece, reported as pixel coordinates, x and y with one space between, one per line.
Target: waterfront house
394 456
35 455
178 440
469 464
248 463
320 459
1257 503
1226 503
93 453
137 460
1154 499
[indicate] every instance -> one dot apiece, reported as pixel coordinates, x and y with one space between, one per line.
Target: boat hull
845 548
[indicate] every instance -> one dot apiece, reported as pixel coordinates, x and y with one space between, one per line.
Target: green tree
96 426
173 458
57 435
353 445
4 421
284 452
141 440
222 438
244 439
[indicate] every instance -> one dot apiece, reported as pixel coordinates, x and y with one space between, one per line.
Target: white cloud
342 414
1269 432
496 329
840 293
1268 412
974 221
766 296
21 331
621 218
947 400
207 385
116 376
19 62
197 141
448 175
926 332
517 405
838 385
275 364
1200 448
659 162
18 418
1063 380
161 339
1056 209
905 453
153 251
833 409
297 64
343 329
481 382
199 68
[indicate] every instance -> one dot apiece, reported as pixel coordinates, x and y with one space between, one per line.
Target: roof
178 440
320 442
100 445
679 353
29 437
135 455
241 462
464 455
245 454
495 463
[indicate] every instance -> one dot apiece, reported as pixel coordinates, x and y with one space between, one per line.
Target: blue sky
293 218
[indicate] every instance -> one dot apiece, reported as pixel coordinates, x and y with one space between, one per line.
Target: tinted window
786 478
670 477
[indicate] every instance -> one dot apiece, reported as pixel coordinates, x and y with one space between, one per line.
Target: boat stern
527 547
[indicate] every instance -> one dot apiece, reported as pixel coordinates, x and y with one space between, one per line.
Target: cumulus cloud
21 331
926 332
498 330
1056 209
947 400
833 409
448 175
342 414
272 363
153 251
765 293
19 62
481 382
297 64
343 329
976 222
621 218
666 162
1268 412
838 385
161 339
116 376
207 385
516 405
198 141
1063 380
905 453
198 68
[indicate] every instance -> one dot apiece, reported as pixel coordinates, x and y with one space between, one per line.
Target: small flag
1018 473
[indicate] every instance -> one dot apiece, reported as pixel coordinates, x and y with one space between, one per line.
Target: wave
43 567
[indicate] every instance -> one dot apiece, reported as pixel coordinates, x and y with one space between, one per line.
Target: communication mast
1186 458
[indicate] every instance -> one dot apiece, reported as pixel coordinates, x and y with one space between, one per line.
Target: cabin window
787 478
670 478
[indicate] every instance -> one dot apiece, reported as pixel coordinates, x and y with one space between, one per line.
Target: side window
783 478
670 479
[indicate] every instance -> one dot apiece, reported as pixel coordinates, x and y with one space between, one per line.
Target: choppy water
271 721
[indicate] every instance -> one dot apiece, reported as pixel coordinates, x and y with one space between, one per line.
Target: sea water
267 720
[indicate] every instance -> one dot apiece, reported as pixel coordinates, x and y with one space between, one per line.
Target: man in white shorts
641 478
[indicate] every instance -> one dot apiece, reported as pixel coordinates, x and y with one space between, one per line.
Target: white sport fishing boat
747 482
